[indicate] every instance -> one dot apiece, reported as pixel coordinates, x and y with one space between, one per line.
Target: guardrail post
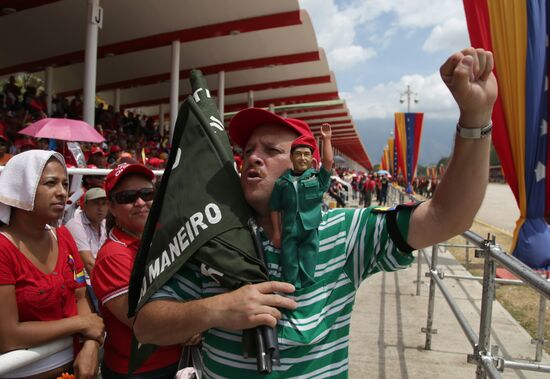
418 280
431 301
467 255
539 341
487 298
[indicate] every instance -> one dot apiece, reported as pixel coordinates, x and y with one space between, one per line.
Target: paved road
386 341
499 207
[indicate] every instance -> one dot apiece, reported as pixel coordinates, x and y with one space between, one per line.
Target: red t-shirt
39 296
369 185
110 278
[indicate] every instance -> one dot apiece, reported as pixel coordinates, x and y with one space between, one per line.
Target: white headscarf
19 180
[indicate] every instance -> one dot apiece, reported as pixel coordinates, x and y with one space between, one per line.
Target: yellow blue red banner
408 133
517 34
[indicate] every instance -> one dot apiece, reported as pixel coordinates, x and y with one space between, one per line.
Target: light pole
408 94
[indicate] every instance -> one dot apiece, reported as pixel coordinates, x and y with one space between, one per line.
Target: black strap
393 229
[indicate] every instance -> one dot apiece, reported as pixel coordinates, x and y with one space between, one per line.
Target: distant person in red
368 189
24 144
238 161
98 157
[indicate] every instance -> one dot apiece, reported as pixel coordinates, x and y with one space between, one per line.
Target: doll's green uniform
299 199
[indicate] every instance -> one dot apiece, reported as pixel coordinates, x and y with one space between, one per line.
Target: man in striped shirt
313 322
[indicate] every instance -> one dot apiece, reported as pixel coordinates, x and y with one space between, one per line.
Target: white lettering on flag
180 242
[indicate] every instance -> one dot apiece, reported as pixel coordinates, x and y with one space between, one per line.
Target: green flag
199 210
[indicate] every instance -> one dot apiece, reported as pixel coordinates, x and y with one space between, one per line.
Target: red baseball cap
115 149
246 121
304 141
155 162
122 170
97 150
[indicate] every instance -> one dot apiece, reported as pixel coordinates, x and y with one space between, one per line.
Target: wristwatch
474 133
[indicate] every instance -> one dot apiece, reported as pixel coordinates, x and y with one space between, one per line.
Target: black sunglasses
130 196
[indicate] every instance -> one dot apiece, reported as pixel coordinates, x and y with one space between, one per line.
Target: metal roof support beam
48 74
288 107
174 86
117 99
221 91
93 23
161 120
250 99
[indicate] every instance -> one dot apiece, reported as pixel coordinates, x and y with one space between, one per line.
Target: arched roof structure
266 49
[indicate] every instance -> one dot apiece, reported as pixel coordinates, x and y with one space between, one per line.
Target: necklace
135 235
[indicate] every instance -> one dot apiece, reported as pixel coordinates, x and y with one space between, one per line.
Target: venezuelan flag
408 133
517 34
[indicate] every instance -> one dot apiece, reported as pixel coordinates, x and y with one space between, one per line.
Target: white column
250 99
117 99
221 93
93 23
49 89
161 120
174 86
272 107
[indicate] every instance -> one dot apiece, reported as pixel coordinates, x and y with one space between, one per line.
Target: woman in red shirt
130 193
42 285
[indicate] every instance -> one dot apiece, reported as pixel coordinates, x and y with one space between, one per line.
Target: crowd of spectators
363 187
126 134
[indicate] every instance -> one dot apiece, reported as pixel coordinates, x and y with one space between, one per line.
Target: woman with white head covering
42 284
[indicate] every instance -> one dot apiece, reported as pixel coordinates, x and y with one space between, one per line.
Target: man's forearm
167 322
459 194
328 157
88 260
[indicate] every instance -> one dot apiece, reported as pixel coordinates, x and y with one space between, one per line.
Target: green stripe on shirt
314 338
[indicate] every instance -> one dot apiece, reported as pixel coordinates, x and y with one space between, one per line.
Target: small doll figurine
296 208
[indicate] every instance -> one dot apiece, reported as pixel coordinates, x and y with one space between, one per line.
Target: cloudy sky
378 47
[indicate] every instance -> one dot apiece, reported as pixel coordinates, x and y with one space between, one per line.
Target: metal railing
486 358
20 358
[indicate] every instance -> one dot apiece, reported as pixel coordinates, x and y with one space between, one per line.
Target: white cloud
336 33
345 57
419 13
452 35
336 25
382 101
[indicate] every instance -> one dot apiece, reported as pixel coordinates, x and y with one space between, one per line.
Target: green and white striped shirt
314 338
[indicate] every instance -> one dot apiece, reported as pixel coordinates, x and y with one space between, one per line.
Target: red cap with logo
246 121
122 170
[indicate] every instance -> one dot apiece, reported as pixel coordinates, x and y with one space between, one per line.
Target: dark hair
110 222
297 146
